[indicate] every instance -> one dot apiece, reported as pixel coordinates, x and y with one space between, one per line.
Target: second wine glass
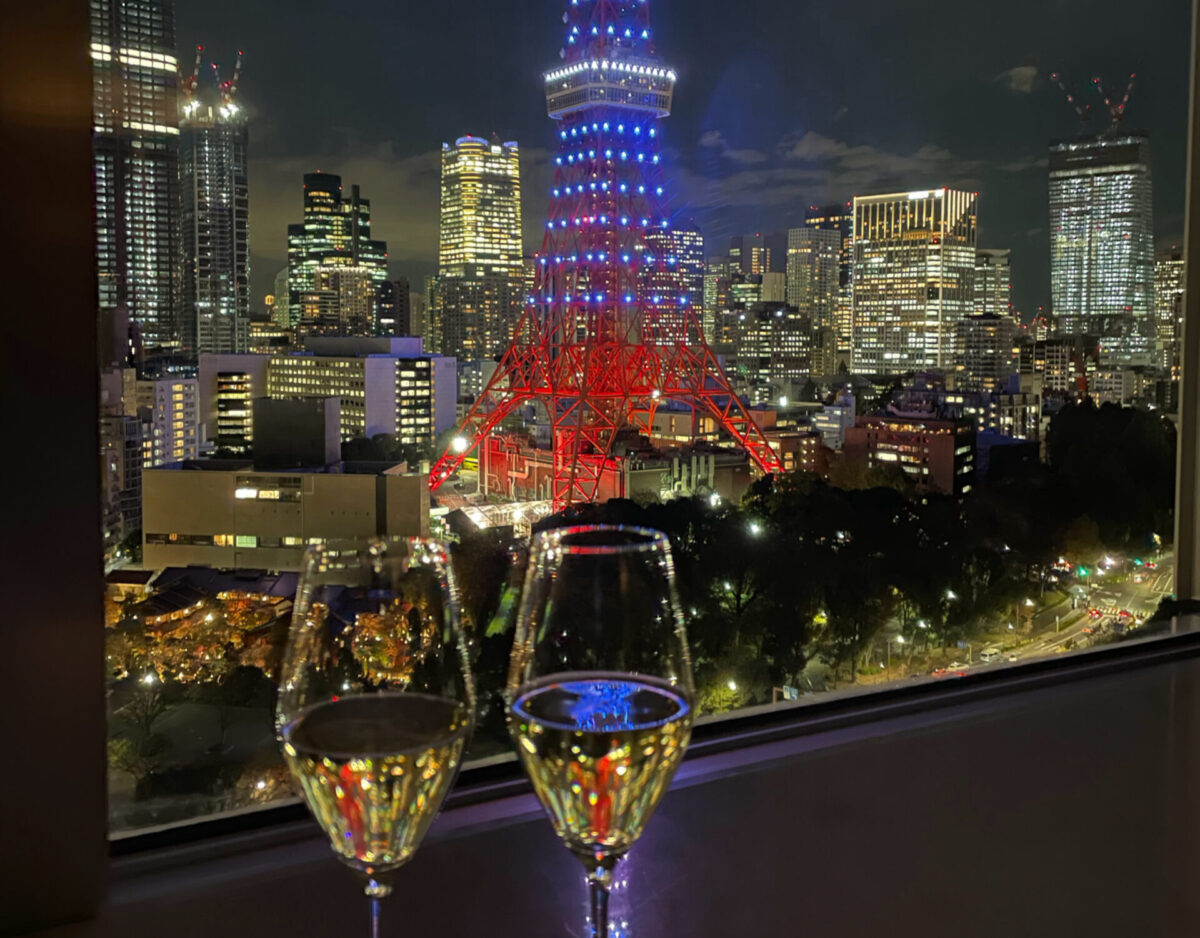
600 694
376 701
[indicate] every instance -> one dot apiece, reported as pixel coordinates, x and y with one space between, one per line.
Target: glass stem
376 891
599 884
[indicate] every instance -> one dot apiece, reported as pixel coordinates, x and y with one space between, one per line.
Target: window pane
890 351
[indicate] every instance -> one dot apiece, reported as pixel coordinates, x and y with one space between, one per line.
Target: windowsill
497 828
846 711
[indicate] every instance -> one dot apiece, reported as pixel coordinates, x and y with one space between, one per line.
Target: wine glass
376 701
600 696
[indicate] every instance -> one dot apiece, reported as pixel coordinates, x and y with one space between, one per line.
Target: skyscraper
986 352
336 232
993 282
759 253
682 275
914 278
393 309
215 289
135 144
812 272
1102 243
480 257
839 217
1168 309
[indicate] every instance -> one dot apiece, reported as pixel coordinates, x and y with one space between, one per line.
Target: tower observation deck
596 347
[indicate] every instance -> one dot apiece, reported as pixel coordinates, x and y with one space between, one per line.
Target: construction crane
1116 111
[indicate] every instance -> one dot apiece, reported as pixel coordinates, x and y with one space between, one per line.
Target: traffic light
1083 571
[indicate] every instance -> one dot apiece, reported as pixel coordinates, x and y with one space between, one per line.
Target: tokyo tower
604 339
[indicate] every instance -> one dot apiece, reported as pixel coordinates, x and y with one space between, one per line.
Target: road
1109 596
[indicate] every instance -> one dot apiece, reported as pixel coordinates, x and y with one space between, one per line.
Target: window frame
56 716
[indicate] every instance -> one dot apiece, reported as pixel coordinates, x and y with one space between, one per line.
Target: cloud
715 140
1024 164
812 168
860 167
1020 79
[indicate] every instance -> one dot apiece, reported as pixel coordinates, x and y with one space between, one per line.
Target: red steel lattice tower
601 342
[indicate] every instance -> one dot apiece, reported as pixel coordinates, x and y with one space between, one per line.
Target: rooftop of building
129 577
343 467
212 581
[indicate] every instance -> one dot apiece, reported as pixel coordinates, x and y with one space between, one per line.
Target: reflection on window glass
891 354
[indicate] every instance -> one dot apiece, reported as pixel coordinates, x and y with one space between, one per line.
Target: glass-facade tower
840 218
480 256
993 281
135 144
215 289
812 273
336 232
1102 243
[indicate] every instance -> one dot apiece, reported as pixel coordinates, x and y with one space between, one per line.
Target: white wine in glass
376 702
600 695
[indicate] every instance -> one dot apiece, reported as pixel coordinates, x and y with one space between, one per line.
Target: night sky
779 104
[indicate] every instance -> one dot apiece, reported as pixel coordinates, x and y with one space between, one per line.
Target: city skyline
817 131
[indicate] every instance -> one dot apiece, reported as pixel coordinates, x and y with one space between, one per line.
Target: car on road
1095 613
1125 614
1151 565
988 655
1012 657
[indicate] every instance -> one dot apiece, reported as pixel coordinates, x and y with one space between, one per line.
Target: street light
459 444
951 595
732 685
714 499
1028 602
755 528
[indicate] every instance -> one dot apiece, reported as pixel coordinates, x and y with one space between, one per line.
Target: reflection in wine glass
376 701
600 695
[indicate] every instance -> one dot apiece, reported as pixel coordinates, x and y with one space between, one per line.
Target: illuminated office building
758 253
169 409
682 275
812 272
840 218
215 288
1102 243
393 309
914 278
936 454
385 385
1168 309
121 475
341 302
135 145
479 294
986 352
336 232
993 282
770 351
